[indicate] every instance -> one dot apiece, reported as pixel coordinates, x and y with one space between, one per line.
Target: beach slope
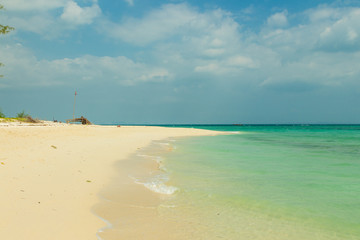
50 176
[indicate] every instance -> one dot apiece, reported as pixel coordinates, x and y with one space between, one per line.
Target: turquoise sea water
267 182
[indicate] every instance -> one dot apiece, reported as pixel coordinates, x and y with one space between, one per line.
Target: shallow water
269 182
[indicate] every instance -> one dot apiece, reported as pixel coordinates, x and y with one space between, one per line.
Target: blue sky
137 61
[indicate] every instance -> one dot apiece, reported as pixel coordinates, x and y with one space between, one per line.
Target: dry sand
51 176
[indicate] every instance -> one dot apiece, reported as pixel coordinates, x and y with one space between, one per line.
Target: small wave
144 156
161 188
159 159
163 143
101 230
160 162
167 206
157 184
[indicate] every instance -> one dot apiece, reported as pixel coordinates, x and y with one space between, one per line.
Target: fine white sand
50 176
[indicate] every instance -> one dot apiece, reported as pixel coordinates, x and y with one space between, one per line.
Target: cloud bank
177 42
49 19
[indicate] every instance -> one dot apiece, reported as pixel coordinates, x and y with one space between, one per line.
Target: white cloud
212 67
342 34
241 61
232 64
42 16
130 2
171 20
352 35
158 24
213 52
24 69
75 14
324 13
156 75
278 20
317 69
41 23
33 5
331 33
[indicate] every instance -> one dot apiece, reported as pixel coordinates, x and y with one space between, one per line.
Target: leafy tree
4 29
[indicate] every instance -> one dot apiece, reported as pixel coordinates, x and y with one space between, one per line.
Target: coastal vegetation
4 29
20 117
2 115
22 114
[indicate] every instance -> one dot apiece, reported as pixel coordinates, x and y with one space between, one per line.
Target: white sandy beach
51 176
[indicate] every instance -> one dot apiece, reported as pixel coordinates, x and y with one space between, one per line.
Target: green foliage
1 66
2 115
4 29
22 115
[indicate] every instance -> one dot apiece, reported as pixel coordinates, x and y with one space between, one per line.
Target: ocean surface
262 182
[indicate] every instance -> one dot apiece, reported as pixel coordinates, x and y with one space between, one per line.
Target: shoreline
51 176
130 204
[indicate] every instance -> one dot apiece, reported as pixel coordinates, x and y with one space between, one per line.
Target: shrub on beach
22 115
2 115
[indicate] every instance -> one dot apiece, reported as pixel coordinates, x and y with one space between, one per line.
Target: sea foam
161 188
158 184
